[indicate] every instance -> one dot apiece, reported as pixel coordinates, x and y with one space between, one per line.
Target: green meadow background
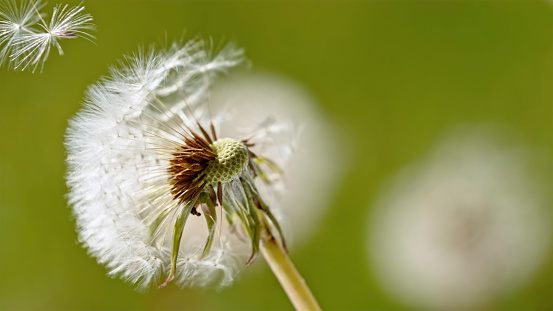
392 76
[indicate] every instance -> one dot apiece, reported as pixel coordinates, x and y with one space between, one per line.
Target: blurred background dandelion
391 77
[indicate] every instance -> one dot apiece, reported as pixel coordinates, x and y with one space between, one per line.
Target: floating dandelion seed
146 152
26 38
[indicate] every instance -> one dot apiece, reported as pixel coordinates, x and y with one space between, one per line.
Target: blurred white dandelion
463 227
26 37
309 182
155 144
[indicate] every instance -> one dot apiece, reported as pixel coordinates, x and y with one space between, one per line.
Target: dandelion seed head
162 183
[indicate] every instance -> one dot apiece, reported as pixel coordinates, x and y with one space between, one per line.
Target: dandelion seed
26 38
158 189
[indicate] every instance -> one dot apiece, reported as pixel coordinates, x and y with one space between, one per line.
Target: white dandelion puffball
249 97
462 227
171 178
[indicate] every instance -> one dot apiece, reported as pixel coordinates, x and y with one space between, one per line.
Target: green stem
291 281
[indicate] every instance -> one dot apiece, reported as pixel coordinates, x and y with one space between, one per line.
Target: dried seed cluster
187 167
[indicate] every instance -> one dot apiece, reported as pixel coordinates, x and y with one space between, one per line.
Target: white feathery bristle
15 21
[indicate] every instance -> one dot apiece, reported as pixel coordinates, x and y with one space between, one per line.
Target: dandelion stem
291 281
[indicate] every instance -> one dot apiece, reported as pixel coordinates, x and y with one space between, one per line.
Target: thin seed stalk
291 281
39 16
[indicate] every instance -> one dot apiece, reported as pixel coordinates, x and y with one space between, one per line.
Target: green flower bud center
232 158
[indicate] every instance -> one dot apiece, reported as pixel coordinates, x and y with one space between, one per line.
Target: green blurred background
392 75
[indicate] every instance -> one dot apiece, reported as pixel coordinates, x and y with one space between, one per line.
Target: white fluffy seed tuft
117 173
26 37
